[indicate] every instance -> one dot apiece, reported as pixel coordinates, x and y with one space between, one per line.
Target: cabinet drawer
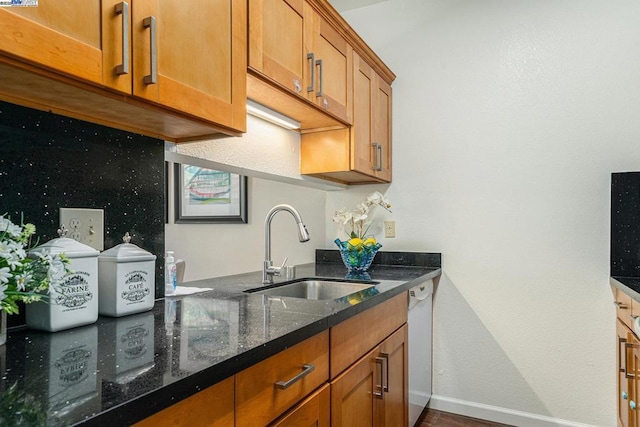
356 336
261 393
211 407
624 307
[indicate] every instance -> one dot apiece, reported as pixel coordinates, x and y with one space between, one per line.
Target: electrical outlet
390 229
84 225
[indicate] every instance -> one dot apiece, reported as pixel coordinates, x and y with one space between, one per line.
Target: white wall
509 117
213 250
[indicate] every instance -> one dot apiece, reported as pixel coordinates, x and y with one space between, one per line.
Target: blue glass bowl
357 259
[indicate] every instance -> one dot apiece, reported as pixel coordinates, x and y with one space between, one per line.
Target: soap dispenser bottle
170 274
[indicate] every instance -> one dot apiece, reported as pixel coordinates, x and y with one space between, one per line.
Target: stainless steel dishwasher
420 335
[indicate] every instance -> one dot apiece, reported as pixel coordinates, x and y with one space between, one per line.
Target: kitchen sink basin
315 289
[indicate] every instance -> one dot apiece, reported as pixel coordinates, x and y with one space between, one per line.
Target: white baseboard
497 414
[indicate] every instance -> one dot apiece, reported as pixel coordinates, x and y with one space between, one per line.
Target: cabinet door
396 383
313 411
626 390
355 393
210 407
276 42
330 69
371 138
381 141
362 151
191 56
633 365
61 36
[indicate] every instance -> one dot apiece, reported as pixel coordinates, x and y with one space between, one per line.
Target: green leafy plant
18 408
26 277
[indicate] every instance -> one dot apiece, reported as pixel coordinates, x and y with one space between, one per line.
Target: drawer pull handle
311 56
620 305
622 350
380 394
320 93
123 9
627 375
150 23
306 370
385 356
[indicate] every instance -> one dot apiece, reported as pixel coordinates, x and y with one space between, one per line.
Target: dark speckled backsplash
49 161
625 224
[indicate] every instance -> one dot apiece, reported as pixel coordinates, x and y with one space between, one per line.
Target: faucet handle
287 271
275 271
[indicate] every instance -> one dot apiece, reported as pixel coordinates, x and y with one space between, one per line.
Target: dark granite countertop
121 370
628 285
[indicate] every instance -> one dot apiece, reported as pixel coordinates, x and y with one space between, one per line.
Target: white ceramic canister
126 279
75 302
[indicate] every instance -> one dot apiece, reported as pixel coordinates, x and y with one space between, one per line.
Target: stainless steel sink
315 289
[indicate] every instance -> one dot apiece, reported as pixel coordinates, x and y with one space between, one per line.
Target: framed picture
206 195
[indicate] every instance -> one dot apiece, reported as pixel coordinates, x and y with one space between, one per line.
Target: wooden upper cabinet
299 64
361 154
329 71
191 56
61 36
371 149
276 40
381 140
181 66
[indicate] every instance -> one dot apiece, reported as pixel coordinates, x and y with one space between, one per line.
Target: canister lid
126 252
70 247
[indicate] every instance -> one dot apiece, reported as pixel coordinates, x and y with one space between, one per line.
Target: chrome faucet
268 270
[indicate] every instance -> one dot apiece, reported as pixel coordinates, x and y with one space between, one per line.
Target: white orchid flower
5 275
355 221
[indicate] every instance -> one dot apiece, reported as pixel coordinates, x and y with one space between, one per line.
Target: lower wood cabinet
395 352
210 407
374 391
627 359
354 374
313 411
269 388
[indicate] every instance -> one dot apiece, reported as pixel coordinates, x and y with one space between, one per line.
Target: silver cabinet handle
123 9
375 156
626 365
152 78
319 64
380 394
622 349
306 370
385 356
377 166
311 56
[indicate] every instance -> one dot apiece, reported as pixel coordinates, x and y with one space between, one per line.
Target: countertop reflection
121 370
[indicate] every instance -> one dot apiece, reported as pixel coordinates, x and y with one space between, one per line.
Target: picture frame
209 196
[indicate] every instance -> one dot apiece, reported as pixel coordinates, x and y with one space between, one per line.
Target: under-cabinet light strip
269 115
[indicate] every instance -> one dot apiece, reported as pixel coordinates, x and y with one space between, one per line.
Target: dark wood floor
431 418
